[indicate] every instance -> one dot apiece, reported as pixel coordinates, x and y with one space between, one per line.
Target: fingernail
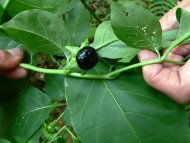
16 52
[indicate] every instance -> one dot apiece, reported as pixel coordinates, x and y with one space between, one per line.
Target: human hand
9 61
171 79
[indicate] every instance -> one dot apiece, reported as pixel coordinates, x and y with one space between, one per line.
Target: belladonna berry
87 58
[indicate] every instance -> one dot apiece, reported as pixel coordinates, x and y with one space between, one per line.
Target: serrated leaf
39 30
22 116
55 87
17 6
78 23
116 50
125 110
135 26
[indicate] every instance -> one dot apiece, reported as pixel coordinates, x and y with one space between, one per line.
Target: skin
171 79
9 61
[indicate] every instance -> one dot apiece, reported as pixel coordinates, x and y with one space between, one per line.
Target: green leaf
39 30
1 13
125 110
7 43
4 141
22 116
55 87
78 23
4 3
117 50
17 6
183 17
10 88
135 26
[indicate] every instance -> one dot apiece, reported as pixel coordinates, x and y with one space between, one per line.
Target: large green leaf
7 43
78 23
17 6
116 50
39 30
22 116
125 110
136 26
54 87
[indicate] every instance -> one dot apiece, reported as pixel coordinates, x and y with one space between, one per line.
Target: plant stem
63 128
72 135
42 70
64 72
89 9
59 118
116 72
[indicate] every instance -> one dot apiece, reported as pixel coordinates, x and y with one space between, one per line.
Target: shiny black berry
87 58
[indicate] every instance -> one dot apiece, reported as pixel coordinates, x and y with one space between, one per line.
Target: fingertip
10 59
15 74
146 55
16 52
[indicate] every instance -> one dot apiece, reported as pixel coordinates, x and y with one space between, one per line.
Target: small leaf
78 23
39 30
117 50
125 110
138 29
22 116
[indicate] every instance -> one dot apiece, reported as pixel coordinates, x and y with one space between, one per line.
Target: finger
10 59
173 57
17 73
169 21
182 50
163 79
149 71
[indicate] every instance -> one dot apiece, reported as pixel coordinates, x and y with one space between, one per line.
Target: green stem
42 70
72 135
116 72
59 118
63 72
53 138
175 62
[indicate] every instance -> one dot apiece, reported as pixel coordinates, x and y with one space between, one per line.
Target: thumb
149 71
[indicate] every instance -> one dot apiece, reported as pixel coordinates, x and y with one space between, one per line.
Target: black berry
87 58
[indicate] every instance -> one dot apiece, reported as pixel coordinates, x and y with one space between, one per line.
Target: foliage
107 104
